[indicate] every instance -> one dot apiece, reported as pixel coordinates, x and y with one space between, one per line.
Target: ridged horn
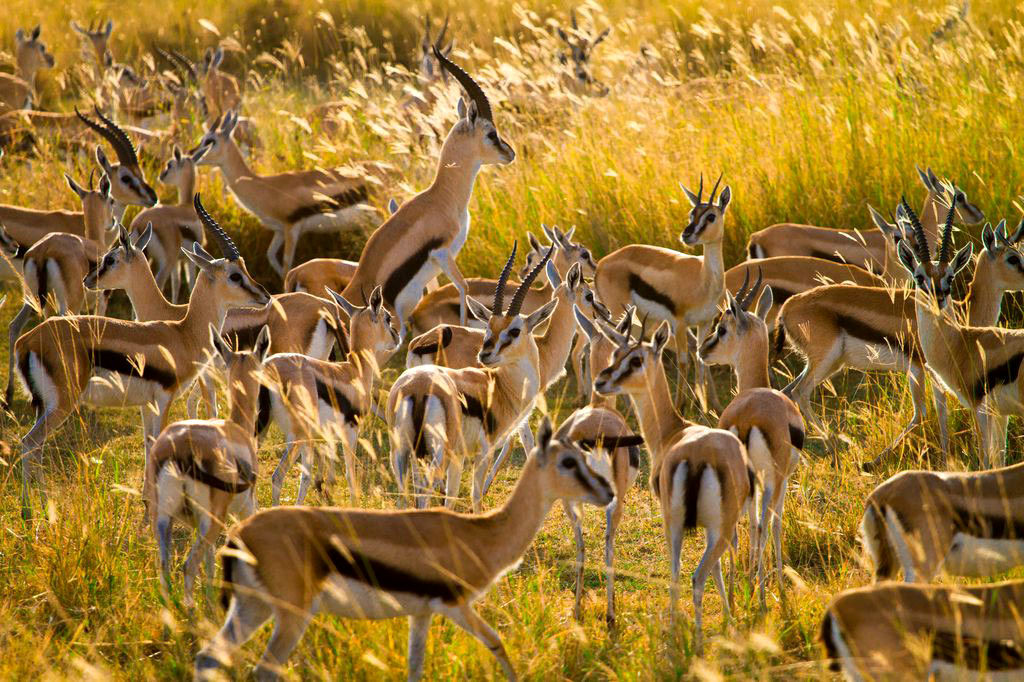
714 190
745 302
499 290
117 138
946 244
520 296
473 90
226 244
921 246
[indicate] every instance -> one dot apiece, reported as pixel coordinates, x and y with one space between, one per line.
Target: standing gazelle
127 181
17 90
766 420
371 564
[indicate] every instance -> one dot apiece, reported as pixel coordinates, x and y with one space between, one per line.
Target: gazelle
17 90
965 524
869 249
765 420
597 352
318 275
288 563
288 204
449 414
55 266
312 399
442 306
220 90
581 46
127 181
175 226
97 38
204 468
567 252
667 285
431 70
979 365
700 475
101 361
917 632
423 237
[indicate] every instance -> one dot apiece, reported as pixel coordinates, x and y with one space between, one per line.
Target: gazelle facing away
701 476
765 420
926 632
17 90
288 204
288 563
202 469
963 524
424 236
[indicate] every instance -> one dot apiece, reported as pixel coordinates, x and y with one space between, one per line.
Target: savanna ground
811 110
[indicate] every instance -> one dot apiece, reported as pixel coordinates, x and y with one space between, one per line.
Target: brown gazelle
926 632
317 275
101 361
431 71
318 403
127 182
55 266
871 249
482 404
765 420
701 476
202 469
979 365
17 90
963 524
424 236
288 204
567 252
667 285
287 563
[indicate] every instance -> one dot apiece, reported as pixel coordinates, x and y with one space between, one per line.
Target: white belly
345 218
979 557
462 235
110 389
357 600
320 344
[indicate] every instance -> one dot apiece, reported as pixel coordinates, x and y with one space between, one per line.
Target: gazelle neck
243 404
234 166
455 176
186 186
147 300
712 271
752 367
984 299
659 420
554 347
367 365
517 521
204 309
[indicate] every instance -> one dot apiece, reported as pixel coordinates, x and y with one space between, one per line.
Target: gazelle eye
513 333
721 330
569 464
492 136
235 277
590 298
1013 260
636 363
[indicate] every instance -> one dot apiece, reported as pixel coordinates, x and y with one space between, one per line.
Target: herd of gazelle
871 300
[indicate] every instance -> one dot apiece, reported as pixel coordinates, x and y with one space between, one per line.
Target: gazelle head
633 363
180 168
30 54
127 181
934 279
97 37
370 327
707 218
508 338
430 67
474 139
969 213
739 334
1002 256
567 252
565 470
212 59
117 268
581 45
576 291
243 368
97 206
229 281
216 145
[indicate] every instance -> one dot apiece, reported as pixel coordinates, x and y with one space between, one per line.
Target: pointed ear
660 337
880 222
611 333
1000 231
143 239
925 180
478 309
567 237
19 36
124 238
219 345
562 34
36 31
105 186
218 57
906 256
534 242
262 346
108 28
574 277
549 233
376 299
349 309
392 206
935 182
460 108
962 258
584 322
75 187
101 159
541 314
553 277
198 249
472 113
724 198
764 304
626 323
988 240
196 259
543 440
177 153
199 153
689 195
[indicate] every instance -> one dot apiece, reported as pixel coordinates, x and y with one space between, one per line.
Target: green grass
810 110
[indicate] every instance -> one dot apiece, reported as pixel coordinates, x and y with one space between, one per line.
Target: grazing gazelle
701 476
869 248
766 420
101 361
17 90
896 631
667 285
288 563
127 182
964 524
318 403
979 365
288 204
424 236
203 468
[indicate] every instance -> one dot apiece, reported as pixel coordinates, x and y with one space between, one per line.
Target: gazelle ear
101 159
349 309
553 277
177 153
567 237
584 322
880 222
724 198
611 333
574 276
262 346
376 299
543 440
196 259
478 309
392 206
988 240
660 337
199 153
36 31
75 187
764 304
534 242
906 256
925 180
219 345
549 233
538 316
19 36
218 57
105 186
689 195
1001 231
143 239
460 108
108 28
472 113
962 258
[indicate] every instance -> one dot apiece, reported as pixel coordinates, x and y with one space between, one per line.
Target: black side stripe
349 197
634 456
780 295
243 338
191 469
357 566
114 361
263 410
403 274
227 565
866 332
338 401
691 492
991 526
612 442
1005 373
831 650
21 251
835 258
472 408
796 437
644 290
975 653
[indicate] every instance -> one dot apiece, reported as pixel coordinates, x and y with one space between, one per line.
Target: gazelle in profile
442 306
55 266
423 237
17 90
667 285
979 365
127 181
700 475
871 248
963 524
934 632
67 361
765 420
388 564
288 204
318 403
577 77
203 469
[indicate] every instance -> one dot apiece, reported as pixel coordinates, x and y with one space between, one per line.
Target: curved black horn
700 190
227 246
643 329
743 289
499 290
117 138
475 92
444 29
714 190
520 296
921 246
183 63
946 244
745 303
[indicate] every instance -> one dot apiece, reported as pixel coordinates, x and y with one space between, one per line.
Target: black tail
796 437
751 480
262 410
191 468
42 286
831 650
227 564
780 337
753 250
691 494
33 392
885 567
419 408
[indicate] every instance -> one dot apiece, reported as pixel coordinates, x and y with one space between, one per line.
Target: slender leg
612 514
675 548
983 421
205 529
997 451
154 418
277 479
942 416
767 500
917 394
31 444
419 626
469 620
288 630
291 240
446 262
349 443
777 537
13 332
577 530
479 472
306 465
506 446
163 537
716 546
246 614
273 250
